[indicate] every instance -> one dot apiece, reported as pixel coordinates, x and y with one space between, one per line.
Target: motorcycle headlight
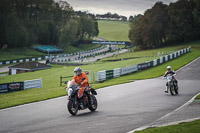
169 78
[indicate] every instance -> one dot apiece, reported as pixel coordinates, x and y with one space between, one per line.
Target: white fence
117 72
128 69
101 75
36 83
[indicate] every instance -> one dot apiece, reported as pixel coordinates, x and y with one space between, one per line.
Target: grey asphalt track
121 108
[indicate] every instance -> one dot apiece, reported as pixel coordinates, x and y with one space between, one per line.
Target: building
27 67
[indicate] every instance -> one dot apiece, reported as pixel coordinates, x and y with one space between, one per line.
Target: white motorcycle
172 86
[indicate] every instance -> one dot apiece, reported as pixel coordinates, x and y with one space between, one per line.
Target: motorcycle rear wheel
72 107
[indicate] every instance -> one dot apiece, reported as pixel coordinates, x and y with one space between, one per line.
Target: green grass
51 77
113 30
186 127
198 97
19 53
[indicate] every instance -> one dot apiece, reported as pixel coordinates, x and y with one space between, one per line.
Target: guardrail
108 74
23 60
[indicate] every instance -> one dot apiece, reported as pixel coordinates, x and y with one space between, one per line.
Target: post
60 80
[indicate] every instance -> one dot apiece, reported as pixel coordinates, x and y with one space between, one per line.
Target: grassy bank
198 97
113 30
187 127
50 77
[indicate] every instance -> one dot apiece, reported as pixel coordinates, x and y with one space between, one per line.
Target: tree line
110 16
163 24
27 22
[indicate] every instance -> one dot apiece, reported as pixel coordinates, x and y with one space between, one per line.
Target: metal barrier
101 76
16 86
36 83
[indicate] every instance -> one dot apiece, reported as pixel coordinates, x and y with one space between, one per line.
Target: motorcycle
172 86
88 100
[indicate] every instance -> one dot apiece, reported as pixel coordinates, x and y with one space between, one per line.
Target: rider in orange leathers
80 79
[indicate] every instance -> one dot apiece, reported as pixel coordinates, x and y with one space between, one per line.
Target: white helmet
169 67
77 71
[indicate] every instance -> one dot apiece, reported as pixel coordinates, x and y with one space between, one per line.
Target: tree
135 32
69 34
26 22
87 27
131 18
16 34
149 30
181 23
196 16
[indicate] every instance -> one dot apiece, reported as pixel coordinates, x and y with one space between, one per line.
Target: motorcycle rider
82 80
170 72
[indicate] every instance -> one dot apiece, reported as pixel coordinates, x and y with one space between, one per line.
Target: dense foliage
177 22
26 22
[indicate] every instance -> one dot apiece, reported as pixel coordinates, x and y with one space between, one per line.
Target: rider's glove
82 83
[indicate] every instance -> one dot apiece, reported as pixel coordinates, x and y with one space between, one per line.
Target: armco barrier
14 86
104 75
109 74
161 60
166 58
129 69
175 54
101 76
144 66
37 83
117 72
155 62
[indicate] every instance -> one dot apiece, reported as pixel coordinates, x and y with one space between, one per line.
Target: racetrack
121 107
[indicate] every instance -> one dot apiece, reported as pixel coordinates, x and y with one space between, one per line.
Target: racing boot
166 90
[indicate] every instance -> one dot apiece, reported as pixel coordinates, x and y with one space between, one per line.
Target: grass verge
198 97
186 127
113 30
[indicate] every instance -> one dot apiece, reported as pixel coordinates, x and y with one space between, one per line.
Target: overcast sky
121 7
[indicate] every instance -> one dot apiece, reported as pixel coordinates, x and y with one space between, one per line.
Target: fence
16 86
63 81
108 74
23 60
36 83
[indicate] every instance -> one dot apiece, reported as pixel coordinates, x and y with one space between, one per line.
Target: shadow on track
85 114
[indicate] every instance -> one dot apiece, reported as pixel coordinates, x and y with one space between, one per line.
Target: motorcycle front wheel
93 103
176 89
172 90
72 107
